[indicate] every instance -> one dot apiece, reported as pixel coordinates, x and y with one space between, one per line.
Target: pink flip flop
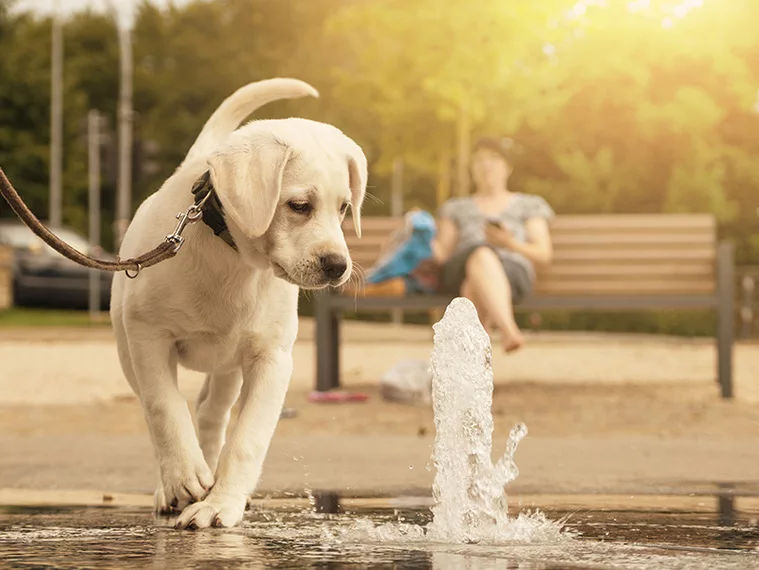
337 397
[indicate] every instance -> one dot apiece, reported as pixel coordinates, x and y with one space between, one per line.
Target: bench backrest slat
606 254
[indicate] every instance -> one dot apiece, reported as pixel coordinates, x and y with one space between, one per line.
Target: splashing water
470 502
468 490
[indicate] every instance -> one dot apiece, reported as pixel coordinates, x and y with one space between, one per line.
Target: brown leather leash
166 250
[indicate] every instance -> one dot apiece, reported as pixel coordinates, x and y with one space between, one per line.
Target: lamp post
124 202
94 139
125 117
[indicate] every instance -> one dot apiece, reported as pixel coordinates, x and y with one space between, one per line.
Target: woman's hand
499 236
538 248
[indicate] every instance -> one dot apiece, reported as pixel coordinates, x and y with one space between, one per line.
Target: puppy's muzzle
333 266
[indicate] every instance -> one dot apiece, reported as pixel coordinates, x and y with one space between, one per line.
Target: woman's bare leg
485 319
486 281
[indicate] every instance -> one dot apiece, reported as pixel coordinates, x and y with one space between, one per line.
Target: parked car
42 277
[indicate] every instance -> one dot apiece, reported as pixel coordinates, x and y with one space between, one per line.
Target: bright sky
668 10
67 6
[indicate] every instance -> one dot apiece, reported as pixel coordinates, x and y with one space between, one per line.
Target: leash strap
132 266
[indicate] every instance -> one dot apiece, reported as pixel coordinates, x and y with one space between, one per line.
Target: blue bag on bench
408 248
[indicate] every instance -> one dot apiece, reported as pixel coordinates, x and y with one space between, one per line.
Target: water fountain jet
468 490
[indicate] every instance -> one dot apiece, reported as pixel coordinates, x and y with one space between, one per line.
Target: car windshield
22 237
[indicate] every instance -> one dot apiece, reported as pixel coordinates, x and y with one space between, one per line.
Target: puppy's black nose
333 265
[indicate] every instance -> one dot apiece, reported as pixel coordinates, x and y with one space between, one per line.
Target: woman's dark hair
504 146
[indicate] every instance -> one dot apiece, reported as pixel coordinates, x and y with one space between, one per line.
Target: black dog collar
213 212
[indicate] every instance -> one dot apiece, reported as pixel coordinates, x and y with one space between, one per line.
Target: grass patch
21 317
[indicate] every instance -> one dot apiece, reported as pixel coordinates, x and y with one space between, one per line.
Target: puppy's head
286 186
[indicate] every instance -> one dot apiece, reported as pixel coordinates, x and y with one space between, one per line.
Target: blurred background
618 106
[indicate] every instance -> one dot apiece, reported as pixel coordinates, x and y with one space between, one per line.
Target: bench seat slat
637 287
593 256
375 242
607 239
627 270
621 222
578 222
645 286
660 254
616 270
581 301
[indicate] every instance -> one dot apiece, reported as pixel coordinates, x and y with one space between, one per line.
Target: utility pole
93 163
124 189
56 120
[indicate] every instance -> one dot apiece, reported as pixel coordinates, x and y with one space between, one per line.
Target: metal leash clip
192 215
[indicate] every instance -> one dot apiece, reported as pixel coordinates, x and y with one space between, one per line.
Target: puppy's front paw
215 510
184 483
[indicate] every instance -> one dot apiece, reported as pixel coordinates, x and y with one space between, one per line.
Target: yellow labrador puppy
276 194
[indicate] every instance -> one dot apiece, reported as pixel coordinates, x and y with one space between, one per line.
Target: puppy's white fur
232 314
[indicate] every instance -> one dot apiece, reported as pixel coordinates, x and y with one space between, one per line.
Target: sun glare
668 11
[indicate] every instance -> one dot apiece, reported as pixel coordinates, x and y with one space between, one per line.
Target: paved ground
611 414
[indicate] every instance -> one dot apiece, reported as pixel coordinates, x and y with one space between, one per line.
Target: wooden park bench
601 262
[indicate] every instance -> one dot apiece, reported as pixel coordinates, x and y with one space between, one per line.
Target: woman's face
489 169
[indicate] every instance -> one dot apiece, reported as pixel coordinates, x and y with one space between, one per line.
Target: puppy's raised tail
235 108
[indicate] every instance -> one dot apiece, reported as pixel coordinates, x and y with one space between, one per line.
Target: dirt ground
75 366
604 414
660 410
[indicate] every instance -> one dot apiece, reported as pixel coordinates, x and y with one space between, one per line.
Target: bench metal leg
725 317
327 344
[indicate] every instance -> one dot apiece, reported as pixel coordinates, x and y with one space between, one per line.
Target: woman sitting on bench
488 243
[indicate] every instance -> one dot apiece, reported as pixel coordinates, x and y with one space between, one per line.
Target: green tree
25 45
181 76
657 115
617 109
412 71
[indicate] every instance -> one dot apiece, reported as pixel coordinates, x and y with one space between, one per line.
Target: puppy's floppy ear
248 181
358 174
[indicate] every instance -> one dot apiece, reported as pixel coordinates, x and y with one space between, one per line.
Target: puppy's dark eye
300 207
344 208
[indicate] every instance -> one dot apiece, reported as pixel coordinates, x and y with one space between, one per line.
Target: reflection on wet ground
327 532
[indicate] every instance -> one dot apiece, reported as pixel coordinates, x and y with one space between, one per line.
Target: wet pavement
714 533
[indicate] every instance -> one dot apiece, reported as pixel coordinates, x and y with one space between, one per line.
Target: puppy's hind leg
122 346
219 393
160 504
185 475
